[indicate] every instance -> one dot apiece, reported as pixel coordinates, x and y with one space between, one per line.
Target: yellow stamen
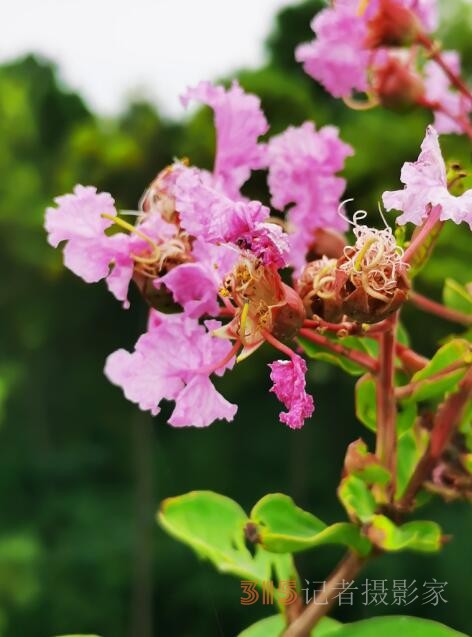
363 4
243 321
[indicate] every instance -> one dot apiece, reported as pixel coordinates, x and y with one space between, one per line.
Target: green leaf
282 527
385 626
422 535
364 345
411 446
213 526
365 465
394 626
357 499
431 386
366 406
273 627
457 297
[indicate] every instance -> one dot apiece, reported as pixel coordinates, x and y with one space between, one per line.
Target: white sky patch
111 49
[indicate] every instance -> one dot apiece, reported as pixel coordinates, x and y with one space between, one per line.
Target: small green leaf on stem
357 499
282 527
457 297
422 536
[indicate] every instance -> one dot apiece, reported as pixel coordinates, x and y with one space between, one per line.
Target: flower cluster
208 261
375 47
202 250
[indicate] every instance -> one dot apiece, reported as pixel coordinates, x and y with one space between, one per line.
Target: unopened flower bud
371 281
392 25
288 318
327 243
316 287
159 195
396 84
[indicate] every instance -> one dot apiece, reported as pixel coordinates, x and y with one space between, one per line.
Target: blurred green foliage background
81 470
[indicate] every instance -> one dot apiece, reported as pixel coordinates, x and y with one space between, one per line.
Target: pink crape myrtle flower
302 167
207 213
426 188
91 253
173 360
288 377
451 106
88 252
239 123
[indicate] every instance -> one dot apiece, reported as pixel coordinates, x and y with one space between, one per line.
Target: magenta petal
288 377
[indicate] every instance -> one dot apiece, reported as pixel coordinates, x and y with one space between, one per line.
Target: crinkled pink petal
89 252
193 287
337 58
426 186
210 215
302 163
89 259
288 377
175 352
123 267
199 404
142 379
269 243
239 123
79 215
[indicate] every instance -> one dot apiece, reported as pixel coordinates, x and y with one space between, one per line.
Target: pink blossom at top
173 360
288 377
302 163
426 187
239 123
451 104
337 58
340 56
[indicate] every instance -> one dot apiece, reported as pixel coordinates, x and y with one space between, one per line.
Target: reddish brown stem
345 571
439 310
344 328
386 405
445 423
412 361
422 235
362 359
277 344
